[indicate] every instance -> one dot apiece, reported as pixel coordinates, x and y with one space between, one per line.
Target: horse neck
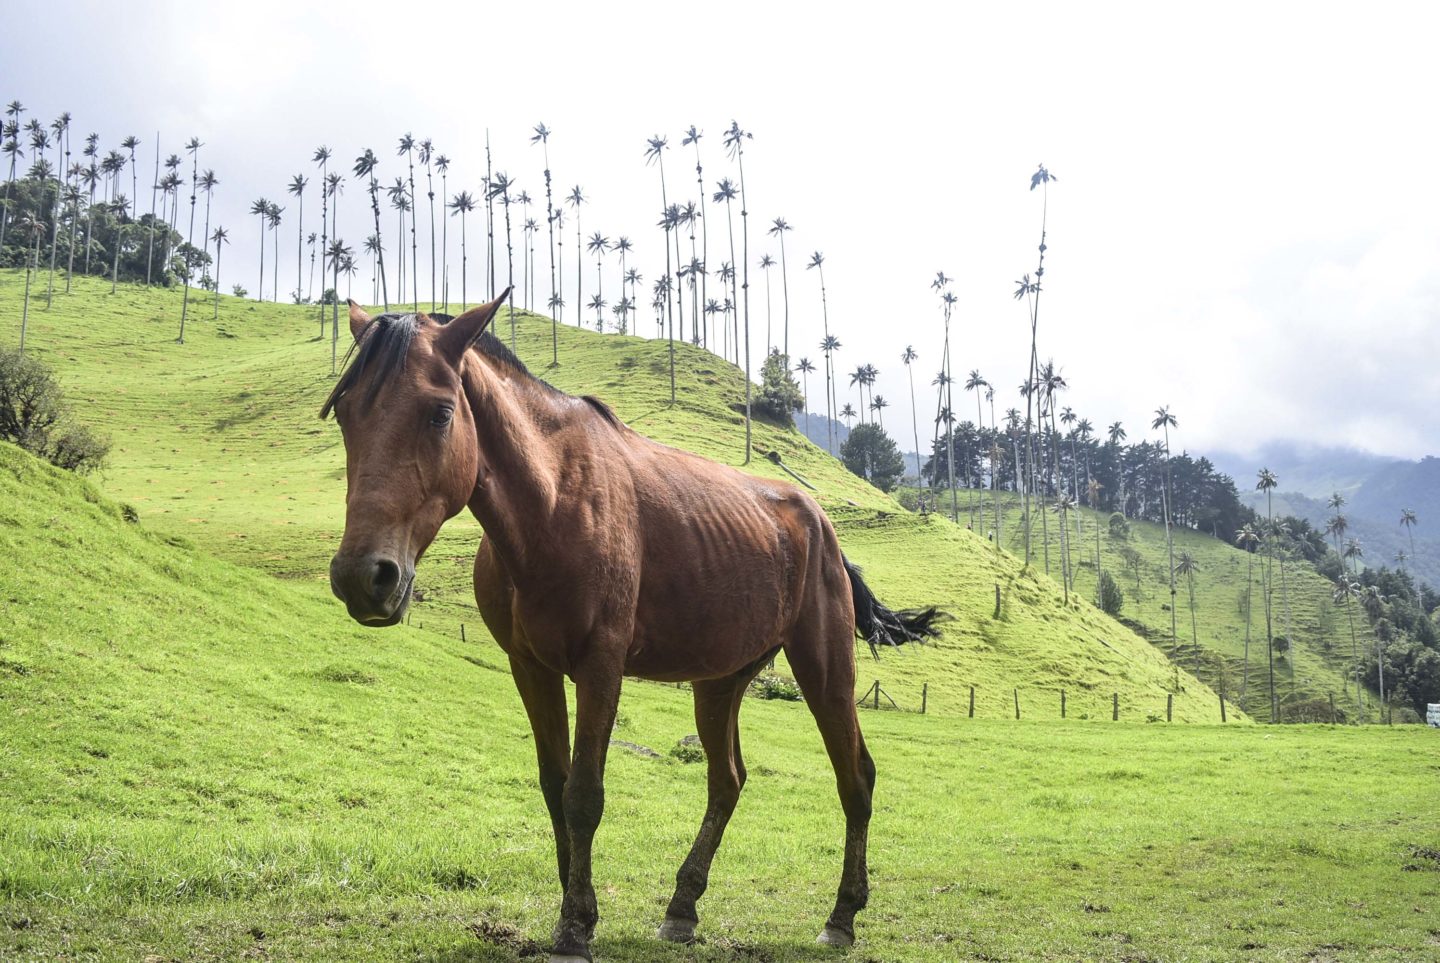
517 487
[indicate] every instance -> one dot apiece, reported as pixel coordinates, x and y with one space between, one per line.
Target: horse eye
442 417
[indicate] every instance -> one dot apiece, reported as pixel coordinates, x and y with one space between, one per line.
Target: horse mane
385 344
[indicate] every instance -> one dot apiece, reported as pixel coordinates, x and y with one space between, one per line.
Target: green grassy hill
218 441
1319 663
199 761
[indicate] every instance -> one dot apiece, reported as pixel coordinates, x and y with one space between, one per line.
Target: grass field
202 762
202 758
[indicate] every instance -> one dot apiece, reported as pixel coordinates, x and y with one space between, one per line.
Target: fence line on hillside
1056 703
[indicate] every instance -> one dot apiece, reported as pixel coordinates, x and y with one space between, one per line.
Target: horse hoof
675 930
832 936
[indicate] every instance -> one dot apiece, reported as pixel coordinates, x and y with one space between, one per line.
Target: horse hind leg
822 656
717 709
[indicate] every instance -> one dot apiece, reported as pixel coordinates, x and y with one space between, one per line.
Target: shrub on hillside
1119 527
780 396
871 454
1112 600
33 415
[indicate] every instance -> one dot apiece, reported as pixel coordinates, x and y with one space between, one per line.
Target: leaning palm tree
221 237
805 367
908 357
1266 482
779 228
365 166
817 263
1246 539
1164 420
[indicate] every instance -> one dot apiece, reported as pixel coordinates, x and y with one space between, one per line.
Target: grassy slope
199 762
218 441
1321 659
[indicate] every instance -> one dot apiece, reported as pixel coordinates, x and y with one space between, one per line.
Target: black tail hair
878 625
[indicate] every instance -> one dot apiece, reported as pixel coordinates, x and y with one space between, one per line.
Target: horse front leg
597 694
543 692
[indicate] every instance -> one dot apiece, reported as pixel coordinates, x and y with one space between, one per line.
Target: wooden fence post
1017 703
1062 703
1169 705
1115 707
972 702
877 693
462 631
924 696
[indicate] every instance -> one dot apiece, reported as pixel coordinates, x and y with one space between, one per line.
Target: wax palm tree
442 164
336 256
655 154
804 366
1164 420
272 218
365 166
848 414
400 201
528 231
1347 591
908 357
1246 539
1187 566
735 139
623 247
406 149
597 304
1408 520
500 187
296 189
260 207
220 237
598 245
726 193
766 263
829 345
1353 553
427 157
460 205
208 183
118 207
817 263
90 175
1266 482
575 198
372 247
878 404
779 228
321 158
857 381
61 127
542 137
31 228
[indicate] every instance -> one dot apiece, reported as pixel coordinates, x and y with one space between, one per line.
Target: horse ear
358 319
456 337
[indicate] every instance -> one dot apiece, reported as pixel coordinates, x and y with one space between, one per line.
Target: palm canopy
940 282
692 136
541 135
462 203
909 355
297 185
1116 432
725 191
576 197
766 261
805 366
598 243
1164 419
816 260
654 146
735 139
976 380
1408 518
1186 564
779 226
1247 537
1041 176
1266 480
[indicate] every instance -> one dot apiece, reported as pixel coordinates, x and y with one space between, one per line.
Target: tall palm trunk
489 216
1249 591
744 304
464 265
119 239
430 193
510 272
190 237
785 290
914 414
579 270
150 255
1269 589
218 248
379 247
32 267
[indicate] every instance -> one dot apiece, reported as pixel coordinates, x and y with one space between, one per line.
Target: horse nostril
384 578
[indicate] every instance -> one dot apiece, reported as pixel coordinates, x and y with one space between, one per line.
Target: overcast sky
1244 227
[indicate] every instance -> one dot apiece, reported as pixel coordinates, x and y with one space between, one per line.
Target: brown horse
604 555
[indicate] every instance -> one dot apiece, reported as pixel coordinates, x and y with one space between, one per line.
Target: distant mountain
812 426
1375 487
1308 469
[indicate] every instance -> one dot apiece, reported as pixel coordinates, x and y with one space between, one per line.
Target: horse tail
878 625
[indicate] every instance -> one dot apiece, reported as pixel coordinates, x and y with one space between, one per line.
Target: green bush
780 396
1119 526
1112 600
776 687
33 415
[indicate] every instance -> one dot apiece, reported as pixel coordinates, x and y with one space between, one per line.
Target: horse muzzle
375 587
